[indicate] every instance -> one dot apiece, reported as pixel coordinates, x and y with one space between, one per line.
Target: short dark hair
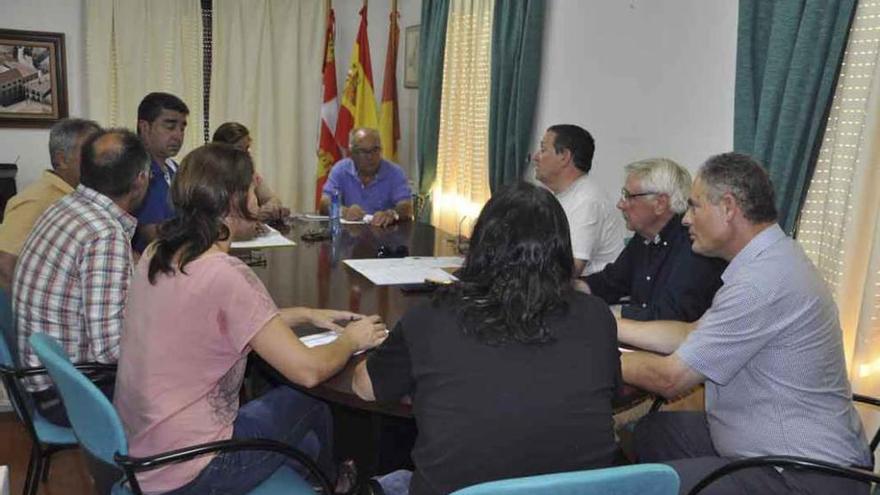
743 177
230 133
112 170
64 136
578 141
153 104
518 269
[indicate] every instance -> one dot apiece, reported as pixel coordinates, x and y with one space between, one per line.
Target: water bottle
335 213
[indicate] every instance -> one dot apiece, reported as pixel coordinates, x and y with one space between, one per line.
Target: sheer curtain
135 47
461 187
267 75
840 223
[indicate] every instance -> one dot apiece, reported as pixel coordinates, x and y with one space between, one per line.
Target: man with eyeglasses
370 188
562 164
659 273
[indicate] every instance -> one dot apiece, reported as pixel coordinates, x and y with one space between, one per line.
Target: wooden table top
312 274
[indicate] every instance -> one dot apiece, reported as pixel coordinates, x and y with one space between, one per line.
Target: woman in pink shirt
193 314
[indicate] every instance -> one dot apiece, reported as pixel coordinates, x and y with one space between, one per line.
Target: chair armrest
133 465
786 462
85 368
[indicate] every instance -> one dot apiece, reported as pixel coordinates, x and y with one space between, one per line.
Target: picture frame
411 57
33 78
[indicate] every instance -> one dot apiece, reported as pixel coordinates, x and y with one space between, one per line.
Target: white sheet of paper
272 238
319 339
402 271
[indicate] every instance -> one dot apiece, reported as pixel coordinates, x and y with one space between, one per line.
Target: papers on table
309 217
319 339
403 271
272 238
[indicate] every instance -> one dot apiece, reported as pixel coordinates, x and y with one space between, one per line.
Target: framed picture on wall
33 78
411 58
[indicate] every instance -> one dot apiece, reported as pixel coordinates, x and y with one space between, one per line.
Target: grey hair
745 179
64 136
662 175
365 130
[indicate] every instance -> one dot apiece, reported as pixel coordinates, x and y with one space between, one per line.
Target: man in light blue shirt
769 350
367 184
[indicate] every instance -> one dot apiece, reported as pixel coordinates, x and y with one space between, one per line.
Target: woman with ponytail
193 314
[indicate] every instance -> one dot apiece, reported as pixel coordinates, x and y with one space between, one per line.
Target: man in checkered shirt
72 276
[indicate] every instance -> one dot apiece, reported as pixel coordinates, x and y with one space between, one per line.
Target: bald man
72 275
367 184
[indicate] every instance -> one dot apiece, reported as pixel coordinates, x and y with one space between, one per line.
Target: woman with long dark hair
193 314
511 371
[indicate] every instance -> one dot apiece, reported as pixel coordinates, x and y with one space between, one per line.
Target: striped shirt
771 350
72 277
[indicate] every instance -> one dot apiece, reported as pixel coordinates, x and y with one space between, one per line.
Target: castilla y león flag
328 149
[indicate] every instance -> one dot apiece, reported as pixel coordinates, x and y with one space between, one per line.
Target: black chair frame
799 463
132 465
41 453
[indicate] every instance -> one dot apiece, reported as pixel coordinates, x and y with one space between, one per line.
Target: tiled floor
68 473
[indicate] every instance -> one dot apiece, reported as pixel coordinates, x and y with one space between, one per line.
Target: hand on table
366 333
272 212
384 218
353 213
327 318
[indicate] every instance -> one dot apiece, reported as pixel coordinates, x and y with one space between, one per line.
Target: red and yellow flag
328 148
358 107
389 120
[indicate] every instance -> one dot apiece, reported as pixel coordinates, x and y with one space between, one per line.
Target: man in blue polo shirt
161 124
368 185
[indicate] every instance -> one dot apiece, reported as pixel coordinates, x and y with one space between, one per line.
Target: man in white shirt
563 164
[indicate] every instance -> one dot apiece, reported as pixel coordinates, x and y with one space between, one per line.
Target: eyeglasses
627 196
359 151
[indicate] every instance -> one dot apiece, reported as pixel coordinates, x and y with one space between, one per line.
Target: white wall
30 146
347 21
646 78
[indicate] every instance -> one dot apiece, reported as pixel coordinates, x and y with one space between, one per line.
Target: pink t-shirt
182 359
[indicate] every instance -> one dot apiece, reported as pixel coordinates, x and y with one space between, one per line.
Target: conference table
313 274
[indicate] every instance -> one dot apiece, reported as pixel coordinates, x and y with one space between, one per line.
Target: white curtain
840 222
462 184
267 75
134 47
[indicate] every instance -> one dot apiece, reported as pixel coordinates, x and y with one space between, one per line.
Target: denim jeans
283 414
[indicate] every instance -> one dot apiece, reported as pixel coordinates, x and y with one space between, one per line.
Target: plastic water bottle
335 214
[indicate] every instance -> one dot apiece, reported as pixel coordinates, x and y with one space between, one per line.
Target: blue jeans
283 414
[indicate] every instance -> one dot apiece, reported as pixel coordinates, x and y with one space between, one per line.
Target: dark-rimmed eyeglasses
627 196
368 151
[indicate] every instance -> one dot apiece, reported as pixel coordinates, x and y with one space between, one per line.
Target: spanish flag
328 148
358 99
389 121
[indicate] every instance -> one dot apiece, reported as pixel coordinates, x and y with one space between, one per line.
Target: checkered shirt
72 277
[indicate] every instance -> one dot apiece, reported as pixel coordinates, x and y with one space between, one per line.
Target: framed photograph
411 60
33 78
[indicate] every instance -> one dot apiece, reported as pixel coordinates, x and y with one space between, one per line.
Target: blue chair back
94 420
640 479
8 345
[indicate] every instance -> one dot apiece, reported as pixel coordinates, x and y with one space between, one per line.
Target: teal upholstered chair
46 438
100 432
641 479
